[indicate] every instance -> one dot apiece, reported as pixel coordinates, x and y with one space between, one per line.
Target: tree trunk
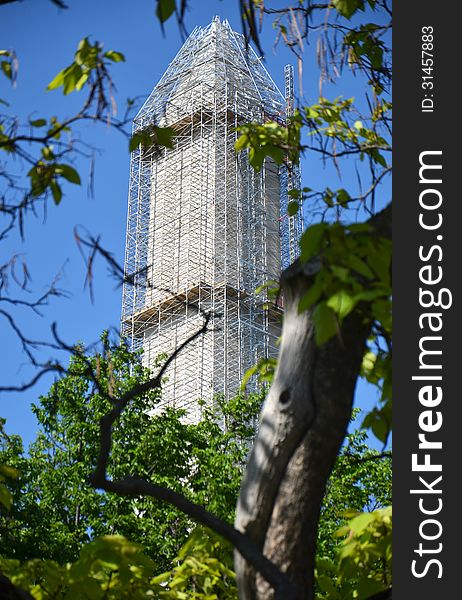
302 426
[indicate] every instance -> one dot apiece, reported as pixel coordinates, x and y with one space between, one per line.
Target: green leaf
57 81
248 375
326 585
160 136
67 78
341 273
359 523
379 422
165 9
71 79
310 242
328 197
272 289
40 176
358 265
347 8
296 194
241 142
378 158
370 294
368 362
38 123
293 208
343 197
256 157
312 295
359 228
5 497
264 368
136 139
9 472
7 70
379 259
165 136
325 323
83 51
114 56
68 173
47 153
56 191
341 303
82 81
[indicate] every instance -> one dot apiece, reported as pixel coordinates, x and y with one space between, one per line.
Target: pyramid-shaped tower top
214 60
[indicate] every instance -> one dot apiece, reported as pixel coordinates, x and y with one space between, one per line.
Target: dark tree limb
385 595
9 591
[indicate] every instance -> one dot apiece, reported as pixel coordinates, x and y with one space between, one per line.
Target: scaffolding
204 229
291 225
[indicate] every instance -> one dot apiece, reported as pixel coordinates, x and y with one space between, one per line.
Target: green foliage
337 120
355 276
214 455
8 65
7 473
377 369
354 536
363 566
204 570
55 510
347 8
361 481
293 208
47 169
270 139
113 568
356 273
47 173
88 59
165 9
152 136
110 567
263 369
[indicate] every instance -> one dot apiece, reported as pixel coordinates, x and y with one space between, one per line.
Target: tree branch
132 486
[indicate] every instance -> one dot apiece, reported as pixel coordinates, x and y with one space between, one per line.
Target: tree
55 513
54 510
337 296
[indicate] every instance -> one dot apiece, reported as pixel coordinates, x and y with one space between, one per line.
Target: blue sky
45 38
